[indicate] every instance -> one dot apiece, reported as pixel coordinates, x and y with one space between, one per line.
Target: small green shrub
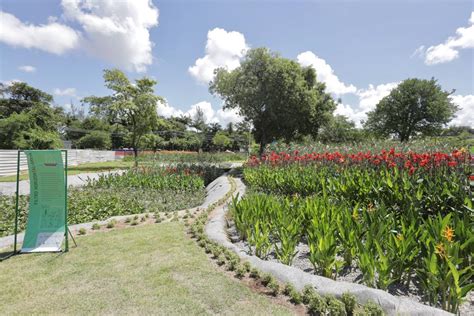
221 260
135 217
335 307
274 287
317 306
134 222
111 224
247 266
349 301
95 226
267 278
143 219
255 273
216 252
158 220
82 231
202 242
373 309
240 271
128 220
147 215
308 293
295 297
288 288
232 264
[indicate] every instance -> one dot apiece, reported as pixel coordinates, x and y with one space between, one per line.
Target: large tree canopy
414 106
131 105
27 120
278 96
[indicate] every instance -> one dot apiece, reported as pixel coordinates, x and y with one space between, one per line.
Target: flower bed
396 219
136 191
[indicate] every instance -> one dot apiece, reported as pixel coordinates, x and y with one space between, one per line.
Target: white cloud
71 92
368 99
10 82
27 68
465 115
221 116
449 50
52 37
116 31
325 73
223 49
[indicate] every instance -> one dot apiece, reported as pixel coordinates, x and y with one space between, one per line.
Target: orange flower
448 233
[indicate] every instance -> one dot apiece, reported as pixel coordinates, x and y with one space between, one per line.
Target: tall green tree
339 130
414 106
278 96
19 96
27 119
133 105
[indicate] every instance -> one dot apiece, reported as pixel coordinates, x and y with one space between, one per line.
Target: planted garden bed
141 190
396 221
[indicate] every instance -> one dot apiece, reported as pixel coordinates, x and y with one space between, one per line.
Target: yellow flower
463 150
400 237
448 233
370 208
355 215
440 250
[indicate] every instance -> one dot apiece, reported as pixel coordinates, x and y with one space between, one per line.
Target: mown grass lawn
153 269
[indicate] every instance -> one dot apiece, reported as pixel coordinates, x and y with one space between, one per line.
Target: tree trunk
135 155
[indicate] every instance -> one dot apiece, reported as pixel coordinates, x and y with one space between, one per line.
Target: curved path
77 180
392 305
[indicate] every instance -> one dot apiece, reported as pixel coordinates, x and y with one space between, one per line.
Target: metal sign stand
66 229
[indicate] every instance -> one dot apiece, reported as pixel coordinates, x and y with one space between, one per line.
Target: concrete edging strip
392 305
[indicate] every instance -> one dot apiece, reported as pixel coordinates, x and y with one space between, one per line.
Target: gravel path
77 180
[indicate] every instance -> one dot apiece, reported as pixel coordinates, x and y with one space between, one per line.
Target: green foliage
308 293
280 97
240 271
373 309
317 305
335 307
221 141
411 229
350 302
110 224
340 130
274 287
414 106
255 273
27 120
95 226
134 105
82 231
95 140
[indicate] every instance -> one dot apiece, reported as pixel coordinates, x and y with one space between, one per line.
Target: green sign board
46 225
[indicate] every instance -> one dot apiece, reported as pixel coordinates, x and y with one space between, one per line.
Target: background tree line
278 99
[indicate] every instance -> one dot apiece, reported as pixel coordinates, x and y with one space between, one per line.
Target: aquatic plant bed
144 190
395 221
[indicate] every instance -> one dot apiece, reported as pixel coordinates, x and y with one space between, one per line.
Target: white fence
8 158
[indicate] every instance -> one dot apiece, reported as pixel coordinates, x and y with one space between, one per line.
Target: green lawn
83 168
153 269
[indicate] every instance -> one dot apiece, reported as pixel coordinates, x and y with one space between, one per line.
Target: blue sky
361 49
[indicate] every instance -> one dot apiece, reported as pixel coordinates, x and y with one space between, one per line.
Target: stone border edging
392 305
214 192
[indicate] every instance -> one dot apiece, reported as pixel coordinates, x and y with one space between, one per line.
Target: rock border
214 192
392 305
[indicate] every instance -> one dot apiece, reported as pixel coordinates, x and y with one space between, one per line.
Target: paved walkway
77 180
